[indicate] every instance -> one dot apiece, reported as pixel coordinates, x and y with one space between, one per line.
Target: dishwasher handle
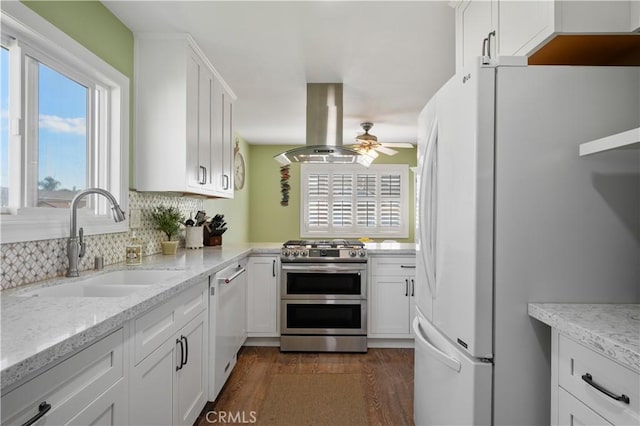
234 276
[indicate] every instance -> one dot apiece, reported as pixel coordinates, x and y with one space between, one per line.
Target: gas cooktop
323 251
324 244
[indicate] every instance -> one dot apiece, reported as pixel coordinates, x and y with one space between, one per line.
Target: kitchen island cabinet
595 362
183 114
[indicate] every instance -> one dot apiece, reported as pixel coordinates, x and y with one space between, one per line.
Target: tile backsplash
31 261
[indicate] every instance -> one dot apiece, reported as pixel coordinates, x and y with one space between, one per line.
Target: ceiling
391 57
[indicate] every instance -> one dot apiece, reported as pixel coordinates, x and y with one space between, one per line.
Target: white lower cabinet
589 388
87 388
262 296
169 383
391 297
573 412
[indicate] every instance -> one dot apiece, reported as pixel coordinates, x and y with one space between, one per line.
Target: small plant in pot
168 220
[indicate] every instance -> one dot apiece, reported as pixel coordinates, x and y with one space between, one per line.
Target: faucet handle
83 246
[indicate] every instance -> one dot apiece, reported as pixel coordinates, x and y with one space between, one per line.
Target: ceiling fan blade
386 150
397 144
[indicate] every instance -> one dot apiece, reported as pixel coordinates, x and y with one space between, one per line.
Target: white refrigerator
507 214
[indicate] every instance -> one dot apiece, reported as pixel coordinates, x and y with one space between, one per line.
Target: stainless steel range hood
324 130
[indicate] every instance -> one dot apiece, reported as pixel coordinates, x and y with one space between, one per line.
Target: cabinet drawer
70 386
576 361
573 412
156 326
394 267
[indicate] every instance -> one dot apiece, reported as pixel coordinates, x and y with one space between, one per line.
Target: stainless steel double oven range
323 296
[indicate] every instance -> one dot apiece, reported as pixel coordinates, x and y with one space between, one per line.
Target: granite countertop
394 249
37 331
610 329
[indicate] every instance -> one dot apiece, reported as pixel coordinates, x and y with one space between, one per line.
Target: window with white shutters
350 201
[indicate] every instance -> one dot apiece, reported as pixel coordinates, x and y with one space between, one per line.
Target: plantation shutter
350 201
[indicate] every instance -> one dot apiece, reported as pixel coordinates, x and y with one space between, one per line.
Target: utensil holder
193 237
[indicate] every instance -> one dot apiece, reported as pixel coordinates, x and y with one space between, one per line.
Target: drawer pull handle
589 379
43 408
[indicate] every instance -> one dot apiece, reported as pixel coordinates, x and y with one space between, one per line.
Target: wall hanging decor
284 185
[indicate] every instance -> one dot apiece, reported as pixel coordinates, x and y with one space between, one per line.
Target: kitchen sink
86 290
111 284
131 277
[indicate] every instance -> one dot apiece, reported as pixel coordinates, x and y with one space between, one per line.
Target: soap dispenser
133 250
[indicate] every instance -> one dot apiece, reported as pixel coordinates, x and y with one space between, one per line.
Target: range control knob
362 253
285 252
295 253
304 253
352 253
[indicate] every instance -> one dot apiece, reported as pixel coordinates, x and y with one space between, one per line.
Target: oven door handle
323 268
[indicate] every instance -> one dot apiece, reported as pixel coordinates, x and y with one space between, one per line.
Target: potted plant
168 220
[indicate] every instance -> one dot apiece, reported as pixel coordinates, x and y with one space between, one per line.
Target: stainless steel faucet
76 246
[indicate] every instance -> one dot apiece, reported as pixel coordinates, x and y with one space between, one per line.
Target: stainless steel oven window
324 317
324 281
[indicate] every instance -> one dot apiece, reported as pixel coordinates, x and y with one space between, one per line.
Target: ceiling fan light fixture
366 137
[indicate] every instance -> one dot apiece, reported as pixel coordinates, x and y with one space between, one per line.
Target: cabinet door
108 409
71 386
205 126
522 22
474 21
217 139
195 175
227 144
389 303
262 297
152 381
191 379
573 412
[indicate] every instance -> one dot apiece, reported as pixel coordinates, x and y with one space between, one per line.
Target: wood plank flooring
389 373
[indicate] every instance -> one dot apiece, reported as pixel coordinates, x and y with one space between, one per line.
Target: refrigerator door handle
430 164
447 360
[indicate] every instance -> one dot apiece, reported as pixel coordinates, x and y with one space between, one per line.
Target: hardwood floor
389 374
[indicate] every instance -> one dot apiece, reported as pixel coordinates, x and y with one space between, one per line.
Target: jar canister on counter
133 251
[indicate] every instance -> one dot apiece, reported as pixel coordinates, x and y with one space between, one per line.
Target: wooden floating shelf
628 139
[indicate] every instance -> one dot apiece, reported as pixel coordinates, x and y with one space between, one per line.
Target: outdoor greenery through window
353 201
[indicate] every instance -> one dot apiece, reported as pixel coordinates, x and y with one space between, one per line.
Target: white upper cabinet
475 19
522 28
183 129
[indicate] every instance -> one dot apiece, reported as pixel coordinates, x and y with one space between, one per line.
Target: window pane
318 213
366 213
62 138
319 184
390 185
390 214
342 185
342 214
367 185
4 126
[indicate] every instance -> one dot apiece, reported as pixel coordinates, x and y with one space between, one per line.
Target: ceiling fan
368 144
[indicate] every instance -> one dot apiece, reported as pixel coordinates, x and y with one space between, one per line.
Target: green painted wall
96 28
271 222
236 210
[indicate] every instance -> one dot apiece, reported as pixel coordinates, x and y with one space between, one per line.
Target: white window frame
354 231
108 151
